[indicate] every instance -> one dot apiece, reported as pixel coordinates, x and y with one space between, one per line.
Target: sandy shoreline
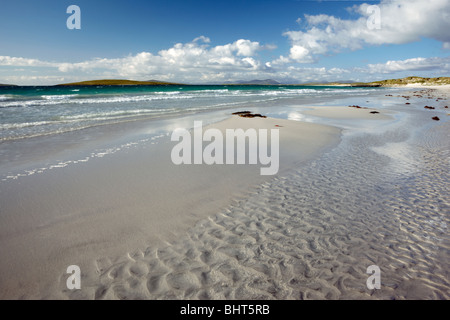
141 227
131 200
347 113
444 87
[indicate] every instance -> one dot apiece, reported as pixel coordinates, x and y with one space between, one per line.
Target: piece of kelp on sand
248 114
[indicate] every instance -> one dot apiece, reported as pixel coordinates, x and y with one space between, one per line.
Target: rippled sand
379 198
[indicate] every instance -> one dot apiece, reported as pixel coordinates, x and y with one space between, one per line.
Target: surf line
213 153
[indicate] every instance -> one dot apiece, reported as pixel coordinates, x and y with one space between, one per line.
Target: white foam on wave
288 92
59 96
168 93
155 96
76 99
110 114
11 126
211 91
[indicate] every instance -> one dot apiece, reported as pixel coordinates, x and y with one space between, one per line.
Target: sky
207 42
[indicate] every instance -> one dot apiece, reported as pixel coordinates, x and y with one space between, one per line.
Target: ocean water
35 111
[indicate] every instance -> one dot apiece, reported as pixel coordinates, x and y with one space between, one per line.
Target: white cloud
400 21
187 62
200 62
299 54
306 74
280 61
193 64
203 39
23 62
26 79
414 64
246 47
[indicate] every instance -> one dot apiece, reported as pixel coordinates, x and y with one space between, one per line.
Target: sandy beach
117 204
224 158
141 227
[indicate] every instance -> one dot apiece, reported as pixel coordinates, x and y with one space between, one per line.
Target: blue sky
202 41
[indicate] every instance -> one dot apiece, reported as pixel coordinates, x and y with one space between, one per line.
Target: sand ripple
311 234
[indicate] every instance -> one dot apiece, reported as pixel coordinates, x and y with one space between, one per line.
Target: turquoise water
35 111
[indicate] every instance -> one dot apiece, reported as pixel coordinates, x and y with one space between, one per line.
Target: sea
31 111
48 127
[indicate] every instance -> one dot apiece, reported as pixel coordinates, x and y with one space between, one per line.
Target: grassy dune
414 80
390 82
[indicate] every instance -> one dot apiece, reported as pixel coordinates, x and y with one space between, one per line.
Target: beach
353 189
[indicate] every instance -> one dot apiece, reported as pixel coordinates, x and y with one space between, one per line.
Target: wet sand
344 199
104 207
348 112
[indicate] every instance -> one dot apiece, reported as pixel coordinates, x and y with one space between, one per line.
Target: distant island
120 82
7 85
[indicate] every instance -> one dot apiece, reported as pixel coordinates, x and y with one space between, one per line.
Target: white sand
141 228
312 233
443 87
116 204
347 113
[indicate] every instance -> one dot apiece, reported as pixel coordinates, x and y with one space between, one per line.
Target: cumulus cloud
297 74
192 61
398 22
202 64
23 62
441 64
299 54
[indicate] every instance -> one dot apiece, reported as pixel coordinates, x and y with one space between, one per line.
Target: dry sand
443 87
